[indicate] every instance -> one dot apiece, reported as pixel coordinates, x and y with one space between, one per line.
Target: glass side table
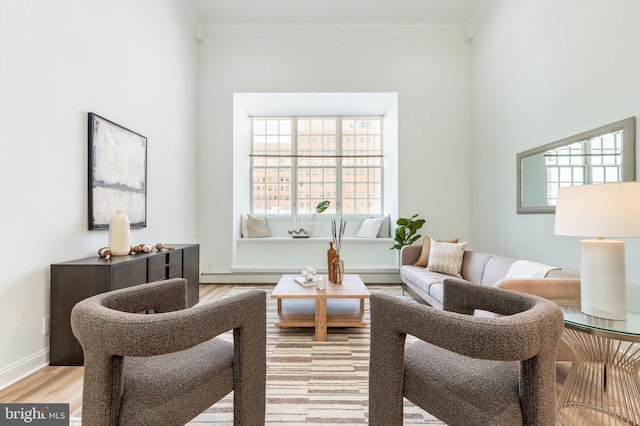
603 384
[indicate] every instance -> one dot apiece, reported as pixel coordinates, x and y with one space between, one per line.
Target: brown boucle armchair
167 367
465 369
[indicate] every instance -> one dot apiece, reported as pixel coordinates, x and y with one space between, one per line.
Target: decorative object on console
119 234
602 210
117 173
406 231
337 265
161 247
331 254
105 252
142 248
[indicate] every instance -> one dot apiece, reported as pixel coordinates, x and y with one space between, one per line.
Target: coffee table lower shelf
302 312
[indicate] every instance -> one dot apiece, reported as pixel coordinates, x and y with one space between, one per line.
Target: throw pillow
446 258
426 249
369 228
258 227
244 226
385 228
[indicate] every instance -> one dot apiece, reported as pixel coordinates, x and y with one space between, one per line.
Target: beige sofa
487 269
480 268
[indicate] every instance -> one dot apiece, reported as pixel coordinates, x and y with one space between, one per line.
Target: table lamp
601 210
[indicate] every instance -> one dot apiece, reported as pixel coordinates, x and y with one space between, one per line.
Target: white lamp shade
600 210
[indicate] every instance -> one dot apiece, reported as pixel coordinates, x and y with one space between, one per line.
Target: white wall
131 62
543 71
431 74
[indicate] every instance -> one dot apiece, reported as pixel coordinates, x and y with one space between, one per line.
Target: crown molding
476 18
327 30
193 17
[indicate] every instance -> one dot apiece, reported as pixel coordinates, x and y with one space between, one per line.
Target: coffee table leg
321 320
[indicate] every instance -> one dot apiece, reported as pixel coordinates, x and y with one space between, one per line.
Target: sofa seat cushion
445 381
422 278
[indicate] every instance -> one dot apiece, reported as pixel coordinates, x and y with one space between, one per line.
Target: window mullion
338 166
294 167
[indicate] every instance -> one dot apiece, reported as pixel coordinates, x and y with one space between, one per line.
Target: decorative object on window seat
314 228
601 210
119 234
300 233
338 264
406 231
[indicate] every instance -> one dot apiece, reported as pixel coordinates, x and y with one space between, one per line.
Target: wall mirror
602 155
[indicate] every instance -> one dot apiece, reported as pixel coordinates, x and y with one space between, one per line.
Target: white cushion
385 227
446 258
258 227
369 228
244 226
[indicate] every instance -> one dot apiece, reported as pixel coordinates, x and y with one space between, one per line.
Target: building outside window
317 158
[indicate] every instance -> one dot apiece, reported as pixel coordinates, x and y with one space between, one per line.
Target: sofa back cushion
496 269
473 265
484 268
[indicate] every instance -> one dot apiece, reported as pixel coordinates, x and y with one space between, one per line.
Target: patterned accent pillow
426 249
446 257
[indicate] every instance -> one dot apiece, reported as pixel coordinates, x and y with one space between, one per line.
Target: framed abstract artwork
117 173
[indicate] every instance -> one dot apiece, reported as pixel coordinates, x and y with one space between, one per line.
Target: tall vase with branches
337 266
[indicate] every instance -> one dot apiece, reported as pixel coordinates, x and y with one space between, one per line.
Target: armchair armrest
132 334
392 319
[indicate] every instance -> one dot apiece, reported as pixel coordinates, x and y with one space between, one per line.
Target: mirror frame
628 157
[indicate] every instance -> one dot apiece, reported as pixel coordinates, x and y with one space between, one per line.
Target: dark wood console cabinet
76 280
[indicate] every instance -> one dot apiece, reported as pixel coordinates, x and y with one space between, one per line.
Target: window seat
265 259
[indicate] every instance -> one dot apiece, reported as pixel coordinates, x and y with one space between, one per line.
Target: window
595 160
318 158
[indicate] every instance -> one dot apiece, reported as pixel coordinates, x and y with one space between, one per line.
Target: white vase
314 228
119 234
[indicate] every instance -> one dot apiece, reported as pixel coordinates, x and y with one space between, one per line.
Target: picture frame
117 173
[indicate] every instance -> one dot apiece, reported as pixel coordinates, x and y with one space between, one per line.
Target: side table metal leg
603 386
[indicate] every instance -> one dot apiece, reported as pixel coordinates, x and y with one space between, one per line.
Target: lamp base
603 280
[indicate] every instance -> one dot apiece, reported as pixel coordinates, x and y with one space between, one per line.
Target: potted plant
314 229
406 232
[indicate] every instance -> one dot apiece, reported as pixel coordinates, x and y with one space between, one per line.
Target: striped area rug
309 382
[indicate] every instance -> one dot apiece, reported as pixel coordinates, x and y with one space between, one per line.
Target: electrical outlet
46 325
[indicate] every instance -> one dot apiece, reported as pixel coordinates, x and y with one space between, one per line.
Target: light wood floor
64 384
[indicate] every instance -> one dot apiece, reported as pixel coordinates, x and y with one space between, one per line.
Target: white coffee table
339 305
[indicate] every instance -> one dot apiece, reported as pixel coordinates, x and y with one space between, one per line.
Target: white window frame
336 207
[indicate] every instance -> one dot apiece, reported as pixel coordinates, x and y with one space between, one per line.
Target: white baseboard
23 368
